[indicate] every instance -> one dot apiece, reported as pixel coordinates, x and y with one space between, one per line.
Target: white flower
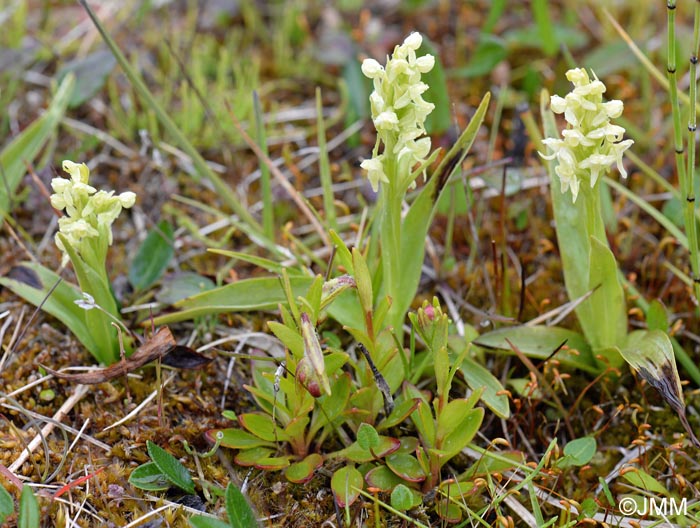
89 214
399 110
386 121
591 143
413 41
425 63
597 163
613 109
371 68
127 199
375 171
558 104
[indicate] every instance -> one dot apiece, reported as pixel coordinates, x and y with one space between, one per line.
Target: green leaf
451 416
25 147
400 412
456 490
420 216
179 286
578 452
458 439
540 341
355 453
448 512
643 480
90 72
478 376
239 439
29 512
240 514
382 478
32 282
245 295
153 257
589 507
289 337
148 477
204 521
367 437
402 498
608 306
363 280
303 471
406 467
95 283
657 316
262 426
251 457
346 484
170 467
7 505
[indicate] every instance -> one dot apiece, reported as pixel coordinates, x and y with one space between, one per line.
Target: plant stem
692 190
684 179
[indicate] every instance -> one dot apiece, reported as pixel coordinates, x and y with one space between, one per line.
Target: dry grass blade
157 347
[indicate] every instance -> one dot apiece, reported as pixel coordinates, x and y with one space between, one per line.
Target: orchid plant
84 236
589 145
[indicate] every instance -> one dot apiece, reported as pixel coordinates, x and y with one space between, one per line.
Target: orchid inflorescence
591 143
89 212
399 112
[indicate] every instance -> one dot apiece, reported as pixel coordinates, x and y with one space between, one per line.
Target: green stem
684 179
391 251
691 189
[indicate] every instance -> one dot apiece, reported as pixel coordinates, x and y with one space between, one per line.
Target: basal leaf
406 467
540 342
367 437
238 439
29 513
178 286
170 467
303 471
32 282
478 376
262 426
153 257
346 483
403 498
245 295
240 514
382 478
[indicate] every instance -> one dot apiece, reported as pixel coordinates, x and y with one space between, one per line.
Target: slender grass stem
692 128
265 184
684 179
325 166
